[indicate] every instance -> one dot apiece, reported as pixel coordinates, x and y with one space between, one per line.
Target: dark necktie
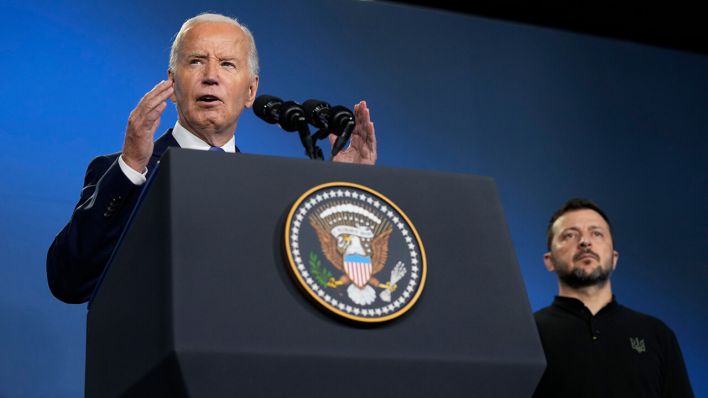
216 149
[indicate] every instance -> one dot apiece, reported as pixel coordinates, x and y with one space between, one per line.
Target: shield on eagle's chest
358 269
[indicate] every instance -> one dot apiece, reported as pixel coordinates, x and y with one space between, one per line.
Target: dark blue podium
198 300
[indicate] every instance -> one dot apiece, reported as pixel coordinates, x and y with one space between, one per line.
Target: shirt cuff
134 177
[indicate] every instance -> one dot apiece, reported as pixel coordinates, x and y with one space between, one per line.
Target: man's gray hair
209 17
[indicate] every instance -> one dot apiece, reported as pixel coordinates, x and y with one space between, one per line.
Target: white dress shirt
186 140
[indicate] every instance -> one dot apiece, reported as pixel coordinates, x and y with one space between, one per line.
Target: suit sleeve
81 250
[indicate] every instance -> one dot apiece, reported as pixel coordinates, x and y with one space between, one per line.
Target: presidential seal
355 252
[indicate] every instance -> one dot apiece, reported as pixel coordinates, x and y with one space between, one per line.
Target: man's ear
171 76
615 257
548 262
252 90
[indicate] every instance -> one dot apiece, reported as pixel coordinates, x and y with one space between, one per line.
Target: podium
198 300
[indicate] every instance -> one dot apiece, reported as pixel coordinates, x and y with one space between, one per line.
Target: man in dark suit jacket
212 78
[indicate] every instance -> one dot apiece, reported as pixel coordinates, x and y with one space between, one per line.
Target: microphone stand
343 138
311 149
321 134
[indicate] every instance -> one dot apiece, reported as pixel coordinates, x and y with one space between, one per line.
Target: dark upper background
677 25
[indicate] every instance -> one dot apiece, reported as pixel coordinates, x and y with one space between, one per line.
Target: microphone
292 117
267 107
289 115
338 121
317 113
341 124
340 118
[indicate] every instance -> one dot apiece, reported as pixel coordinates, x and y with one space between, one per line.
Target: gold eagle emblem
355 241
354 252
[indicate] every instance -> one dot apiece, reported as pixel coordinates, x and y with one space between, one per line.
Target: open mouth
208 98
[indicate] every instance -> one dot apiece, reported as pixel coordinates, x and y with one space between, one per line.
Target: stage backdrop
548 114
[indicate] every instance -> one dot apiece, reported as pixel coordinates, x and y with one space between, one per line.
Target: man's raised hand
142 123
362 148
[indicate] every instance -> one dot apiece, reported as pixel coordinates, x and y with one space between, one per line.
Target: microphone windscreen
263 107
341 117
291 116
314 112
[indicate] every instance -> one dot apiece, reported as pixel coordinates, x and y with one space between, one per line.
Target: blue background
548 114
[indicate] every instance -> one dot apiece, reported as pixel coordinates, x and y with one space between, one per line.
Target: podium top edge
182 152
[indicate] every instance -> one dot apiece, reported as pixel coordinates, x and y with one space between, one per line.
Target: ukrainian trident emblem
637 344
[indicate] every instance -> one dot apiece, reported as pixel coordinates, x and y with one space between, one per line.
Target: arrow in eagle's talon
333 283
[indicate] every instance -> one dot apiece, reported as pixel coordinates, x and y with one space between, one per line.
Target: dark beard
579 279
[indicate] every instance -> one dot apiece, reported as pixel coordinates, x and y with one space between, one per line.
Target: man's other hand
362 146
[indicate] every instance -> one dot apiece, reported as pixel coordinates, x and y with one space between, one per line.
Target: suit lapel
165 141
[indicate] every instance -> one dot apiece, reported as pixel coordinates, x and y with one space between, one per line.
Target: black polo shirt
616 353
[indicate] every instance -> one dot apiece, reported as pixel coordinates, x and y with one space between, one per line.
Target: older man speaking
212 78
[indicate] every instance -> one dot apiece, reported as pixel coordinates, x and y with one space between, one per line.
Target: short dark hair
572 205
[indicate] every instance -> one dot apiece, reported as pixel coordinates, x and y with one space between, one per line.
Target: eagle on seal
356 250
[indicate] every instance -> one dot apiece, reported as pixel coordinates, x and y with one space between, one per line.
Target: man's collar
186 139
577 307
